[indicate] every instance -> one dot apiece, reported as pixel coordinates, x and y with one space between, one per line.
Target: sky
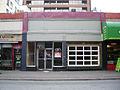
106 5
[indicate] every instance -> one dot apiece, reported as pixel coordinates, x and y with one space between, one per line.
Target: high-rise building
12 6
59 5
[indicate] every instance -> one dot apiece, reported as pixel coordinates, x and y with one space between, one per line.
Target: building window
28 2
73 10
84 8
83 55
84 1
49 1
7 11
63 2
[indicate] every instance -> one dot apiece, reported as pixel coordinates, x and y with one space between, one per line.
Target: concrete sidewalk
59 76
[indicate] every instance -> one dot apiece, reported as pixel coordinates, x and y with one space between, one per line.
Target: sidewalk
59 76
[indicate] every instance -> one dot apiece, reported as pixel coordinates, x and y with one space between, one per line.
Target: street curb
93 79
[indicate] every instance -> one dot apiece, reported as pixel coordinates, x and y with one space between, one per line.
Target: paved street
60 85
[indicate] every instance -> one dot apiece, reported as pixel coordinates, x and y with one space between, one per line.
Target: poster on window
57 54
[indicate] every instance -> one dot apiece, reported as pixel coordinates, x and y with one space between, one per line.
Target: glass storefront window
31 55
5 56
57 53
83 55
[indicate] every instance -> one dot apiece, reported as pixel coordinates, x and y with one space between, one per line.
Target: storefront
9 46
62 41
10 40
111 36
45 55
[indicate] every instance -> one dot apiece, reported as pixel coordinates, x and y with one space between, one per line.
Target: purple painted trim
64 15
25 22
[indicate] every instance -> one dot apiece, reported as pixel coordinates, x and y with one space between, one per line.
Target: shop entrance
45 59
113 53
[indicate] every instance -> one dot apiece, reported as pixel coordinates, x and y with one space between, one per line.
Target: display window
83 55
5 55
30 54
113 52
58 54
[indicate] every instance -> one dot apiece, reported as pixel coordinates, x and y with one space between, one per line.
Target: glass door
41 58
48 58
45 59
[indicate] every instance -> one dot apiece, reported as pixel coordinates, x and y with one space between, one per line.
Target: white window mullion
83 57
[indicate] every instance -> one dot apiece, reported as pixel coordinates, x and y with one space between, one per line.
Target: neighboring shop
62 41
10 41
111 36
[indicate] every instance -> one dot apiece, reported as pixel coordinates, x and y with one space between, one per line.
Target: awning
111 30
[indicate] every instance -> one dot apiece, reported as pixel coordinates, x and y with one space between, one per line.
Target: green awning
111 30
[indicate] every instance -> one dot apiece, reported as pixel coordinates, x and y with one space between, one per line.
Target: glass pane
80 48
41 53
87 62
31 46
57 62
86 53
71 53
79 62
79 53
48 53
94 57
79 57
87 48
94 48
71 57
41 64
57 53
87 57
71 48
48 64
71 62
94 53
48 44
6 57
95 62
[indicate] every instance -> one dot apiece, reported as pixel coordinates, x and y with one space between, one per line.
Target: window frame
91 60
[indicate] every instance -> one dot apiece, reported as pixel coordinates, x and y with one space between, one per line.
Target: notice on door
57 54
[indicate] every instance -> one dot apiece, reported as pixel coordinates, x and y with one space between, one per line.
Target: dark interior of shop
113 51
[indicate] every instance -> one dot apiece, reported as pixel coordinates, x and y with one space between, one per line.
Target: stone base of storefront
83 68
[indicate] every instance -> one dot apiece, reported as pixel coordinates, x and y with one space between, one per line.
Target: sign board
10 38
111 30
57 54
118 65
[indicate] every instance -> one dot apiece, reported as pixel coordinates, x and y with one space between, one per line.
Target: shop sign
10 37
57 52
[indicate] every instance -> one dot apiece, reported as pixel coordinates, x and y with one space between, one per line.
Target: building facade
59 5
67 41
11 41
12 6
111 37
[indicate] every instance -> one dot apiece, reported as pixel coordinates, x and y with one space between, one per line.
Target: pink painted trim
103 19
25 22
64 15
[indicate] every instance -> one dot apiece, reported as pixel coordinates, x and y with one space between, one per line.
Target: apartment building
12 6
59 5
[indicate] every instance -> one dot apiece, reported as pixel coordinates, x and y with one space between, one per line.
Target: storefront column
24 51
104 55
64 53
